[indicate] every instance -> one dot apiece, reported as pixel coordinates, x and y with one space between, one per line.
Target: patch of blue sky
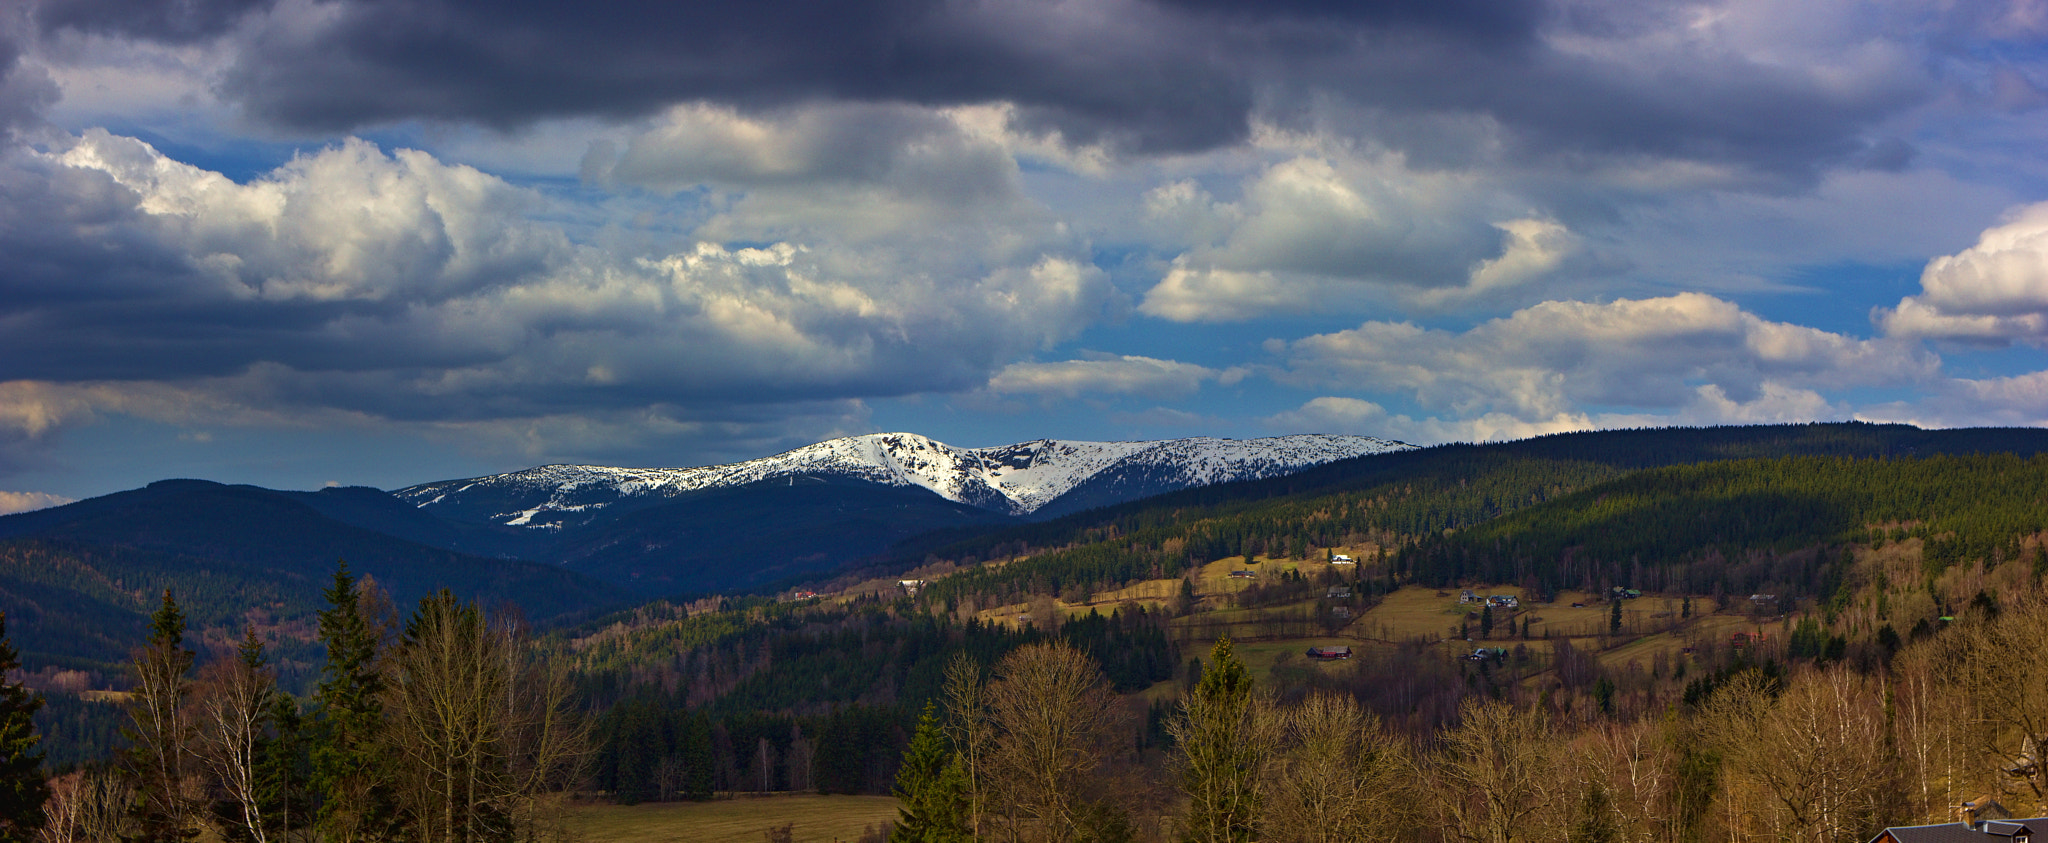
1979 362
242 159
1836 297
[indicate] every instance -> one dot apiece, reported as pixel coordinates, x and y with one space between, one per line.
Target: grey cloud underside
1150 76
24 91
168 21
413 290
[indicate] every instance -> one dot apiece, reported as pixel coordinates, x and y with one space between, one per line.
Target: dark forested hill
77 581
739 538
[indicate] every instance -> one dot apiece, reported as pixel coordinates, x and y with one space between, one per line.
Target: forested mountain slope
1392 500
1729 525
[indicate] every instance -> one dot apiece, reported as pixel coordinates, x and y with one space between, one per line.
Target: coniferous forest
1776 633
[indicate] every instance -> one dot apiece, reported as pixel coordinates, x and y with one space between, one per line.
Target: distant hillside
78 580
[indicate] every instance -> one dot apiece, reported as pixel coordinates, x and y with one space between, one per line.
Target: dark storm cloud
169 21
24 91
506 63
1147 76
1170 75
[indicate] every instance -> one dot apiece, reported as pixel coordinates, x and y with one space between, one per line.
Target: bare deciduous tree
1931 737
483 733
1815 758
160 729
1339 779
1054 717
1498 775
88 806
1634 764
2002 665
233 701
970 730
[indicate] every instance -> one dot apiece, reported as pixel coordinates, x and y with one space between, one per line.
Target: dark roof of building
1943 833
1963 833
2009 828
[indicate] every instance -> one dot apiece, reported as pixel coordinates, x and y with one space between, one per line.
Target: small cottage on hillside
1326 653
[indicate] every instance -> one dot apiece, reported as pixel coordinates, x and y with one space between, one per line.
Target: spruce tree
1226 736
932 787
697 758
347 714
284 770
22 787
1595 822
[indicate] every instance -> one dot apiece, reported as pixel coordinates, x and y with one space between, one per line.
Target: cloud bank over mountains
694 232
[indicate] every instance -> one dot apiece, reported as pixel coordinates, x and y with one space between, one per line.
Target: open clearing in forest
815 819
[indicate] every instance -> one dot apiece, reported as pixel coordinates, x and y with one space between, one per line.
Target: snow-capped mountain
1017 479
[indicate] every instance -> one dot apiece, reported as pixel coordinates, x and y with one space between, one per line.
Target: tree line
818 701
442 724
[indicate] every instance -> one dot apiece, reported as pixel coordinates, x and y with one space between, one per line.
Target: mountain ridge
1022 479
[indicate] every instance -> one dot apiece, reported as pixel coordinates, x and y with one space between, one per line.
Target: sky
301 243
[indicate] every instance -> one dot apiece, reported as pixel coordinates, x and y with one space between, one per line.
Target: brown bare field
1412 612
1152 593
815 819
1560 620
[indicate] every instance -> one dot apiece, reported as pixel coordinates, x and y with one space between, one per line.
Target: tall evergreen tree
1226 734
158 732
932 786
285 770
697 757
347 714
22 787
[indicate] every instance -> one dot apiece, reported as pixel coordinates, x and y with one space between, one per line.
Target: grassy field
814 819
1413 612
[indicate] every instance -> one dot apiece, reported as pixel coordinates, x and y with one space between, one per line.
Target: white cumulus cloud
1337 231
13 502
1994 292
1688 358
